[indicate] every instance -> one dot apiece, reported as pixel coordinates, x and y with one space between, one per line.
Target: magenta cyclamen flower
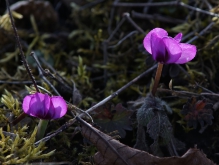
44 107
166 50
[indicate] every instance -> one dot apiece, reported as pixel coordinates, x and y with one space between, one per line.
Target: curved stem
41 129
157 78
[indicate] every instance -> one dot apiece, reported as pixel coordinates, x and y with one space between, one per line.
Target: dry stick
127 16
60 81
123 39
91 4
18 119
157 17
105 59
198 9
175 3
111 17
207 4
157 78
185 93
41 74
17 82
202 32
126 4
64 83
72 121
203 88
20 48
115 30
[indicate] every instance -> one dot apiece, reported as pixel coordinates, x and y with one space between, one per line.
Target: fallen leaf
112 152
111 118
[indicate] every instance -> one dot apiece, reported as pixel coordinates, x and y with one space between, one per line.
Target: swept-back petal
26 104
60 106
158 48
178 37
188 53
173 50
39 105
51 112
147 40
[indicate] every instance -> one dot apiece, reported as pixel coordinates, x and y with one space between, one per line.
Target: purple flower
44 107
166 50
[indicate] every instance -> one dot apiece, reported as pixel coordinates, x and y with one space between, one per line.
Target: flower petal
39 105
60 106
178 37
26 104
147 40
51 112
158 48
173 50
188 53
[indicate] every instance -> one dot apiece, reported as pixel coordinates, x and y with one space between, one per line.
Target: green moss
21 149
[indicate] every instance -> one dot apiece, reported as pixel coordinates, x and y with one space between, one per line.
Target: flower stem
157 78
41 129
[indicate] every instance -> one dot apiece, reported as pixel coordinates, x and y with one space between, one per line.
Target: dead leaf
112 152
198 110
111 118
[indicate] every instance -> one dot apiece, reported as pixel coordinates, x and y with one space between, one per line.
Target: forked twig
72 121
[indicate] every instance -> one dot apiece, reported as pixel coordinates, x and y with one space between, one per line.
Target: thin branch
40 69
20 48
201 33
127 16
123 39
115 30
111 17
17 82
91 4
72 121
157 17
174 3
125 4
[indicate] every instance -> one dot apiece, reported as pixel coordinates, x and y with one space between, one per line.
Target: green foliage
21 149
5 22
12 104
82 76
18 147
86 154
